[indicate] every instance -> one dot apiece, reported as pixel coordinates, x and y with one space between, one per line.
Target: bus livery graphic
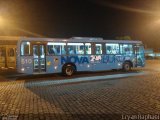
74 59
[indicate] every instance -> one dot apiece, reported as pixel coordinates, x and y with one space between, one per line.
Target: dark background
139 19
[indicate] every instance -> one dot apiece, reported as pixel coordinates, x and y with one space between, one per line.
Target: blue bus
67 56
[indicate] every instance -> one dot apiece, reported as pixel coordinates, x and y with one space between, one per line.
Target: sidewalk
5 73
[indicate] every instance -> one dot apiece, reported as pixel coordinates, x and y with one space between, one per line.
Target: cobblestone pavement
105 99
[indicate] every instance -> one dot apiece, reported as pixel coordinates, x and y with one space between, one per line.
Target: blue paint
74 59
112 59
105 59
119 58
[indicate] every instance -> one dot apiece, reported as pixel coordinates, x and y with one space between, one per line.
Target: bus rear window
25 48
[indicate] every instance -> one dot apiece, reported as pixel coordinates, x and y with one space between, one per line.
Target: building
8 51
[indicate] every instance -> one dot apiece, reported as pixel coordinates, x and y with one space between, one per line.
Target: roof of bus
77 39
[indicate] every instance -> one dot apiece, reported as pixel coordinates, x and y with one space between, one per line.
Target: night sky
109 19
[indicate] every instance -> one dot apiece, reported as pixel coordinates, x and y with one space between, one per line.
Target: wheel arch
129 61
69 64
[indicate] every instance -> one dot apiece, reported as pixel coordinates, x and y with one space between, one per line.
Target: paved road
106 98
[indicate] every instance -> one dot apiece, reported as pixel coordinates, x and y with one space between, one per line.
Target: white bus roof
79 39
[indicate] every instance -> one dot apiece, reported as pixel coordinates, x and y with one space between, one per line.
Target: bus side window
50 49
98 49
63 50
71 51
56 48
112 48
126 49
25 48
88 48
75 48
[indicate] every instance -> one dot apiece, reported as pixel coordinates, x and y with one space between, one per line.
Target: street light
6 23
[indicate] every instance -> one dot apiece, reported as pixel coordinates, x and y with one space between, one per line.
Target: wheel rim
69 71
127 67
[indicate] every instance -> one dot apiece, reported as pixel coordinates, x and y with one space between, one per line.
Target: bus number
26 61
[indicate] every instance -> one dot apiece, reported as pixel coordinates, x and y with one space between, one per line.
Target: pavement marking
82 79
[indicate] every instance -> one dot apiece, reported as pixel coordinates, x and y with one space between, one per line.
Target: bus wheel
69 70
126 67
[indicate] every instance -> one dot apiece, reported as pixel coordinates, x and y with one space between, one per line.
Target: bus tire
127 66
68 70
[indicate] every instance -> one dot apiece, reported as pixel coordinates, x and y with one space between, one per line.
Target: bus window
11 52
56 48
25 48
75 48
2 51
35 51
88 48
98 49
112 48
42 52
126 49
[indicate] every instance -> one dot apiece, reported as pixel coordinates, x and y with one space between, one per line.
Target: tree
124 38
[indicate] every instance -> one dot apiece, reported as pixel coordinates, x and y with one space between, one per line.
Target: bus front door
140 58
39 58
